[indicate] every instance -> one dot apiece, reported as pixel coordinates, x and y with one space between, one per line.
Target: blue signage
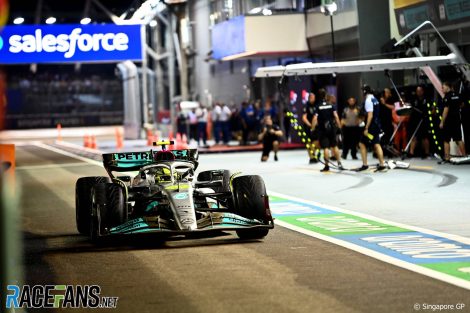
228 38
70 43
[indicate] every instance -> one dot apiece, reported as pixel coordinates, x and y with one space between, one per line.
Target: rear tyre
249 196
109 208
83 201
223 175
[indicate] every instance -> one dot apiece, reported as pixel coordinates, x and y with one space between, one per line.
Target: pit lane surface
286 272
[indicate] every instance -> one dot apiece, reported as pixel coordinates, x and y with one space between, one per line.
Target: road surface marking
438 255
442 256
49 166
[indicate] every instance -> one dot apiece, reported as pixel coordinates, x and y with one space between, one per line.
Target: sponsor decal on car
181 196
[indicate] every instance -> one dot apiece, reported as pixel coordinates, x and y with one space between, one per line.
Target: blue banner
70 43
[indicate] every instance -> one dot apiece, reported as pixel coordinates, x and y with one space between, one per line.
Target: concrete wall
230 81
318 23
275 33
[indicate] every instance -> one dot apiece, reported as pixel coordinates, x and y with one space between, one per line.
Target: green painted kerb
277 199
456 269
340 224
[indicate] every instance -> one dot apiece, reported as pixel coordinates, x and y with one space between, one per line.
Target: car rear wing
133 161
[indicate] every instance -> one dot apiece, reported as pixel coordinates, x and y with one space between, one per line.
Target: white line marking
75 146
49 166
377 255
71 155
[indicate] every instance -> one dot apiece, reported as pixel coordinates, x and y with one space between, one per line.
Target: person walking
372 130
327 122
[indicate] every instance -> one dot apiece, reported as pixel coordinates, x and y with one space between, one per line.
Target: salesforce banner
70 43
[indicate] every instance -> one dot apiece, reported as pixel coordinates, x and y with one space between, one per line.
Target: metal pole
171 69
332 38
37 20
144 75
413 136
158 77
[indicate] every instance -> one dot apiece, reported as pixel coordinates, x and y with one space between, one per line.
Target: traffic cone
86 141
119 141
184 145
178 141
59 132
93 142
150 137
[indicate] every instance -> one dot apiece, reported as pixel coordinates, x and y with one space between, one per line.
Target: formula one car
163 198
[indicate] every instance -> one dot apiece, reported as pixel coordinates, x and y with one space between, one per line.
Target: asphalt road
285 272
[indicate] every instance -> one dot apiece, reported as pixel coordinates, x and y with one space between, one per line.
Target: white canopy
356 66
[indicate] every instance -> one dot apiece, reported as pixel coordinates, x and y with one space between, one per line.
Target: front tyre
251 201
83 201
109 208
250 198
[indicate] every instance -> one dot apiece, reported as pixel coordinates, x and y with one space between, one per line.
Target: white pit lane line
368 252
49 166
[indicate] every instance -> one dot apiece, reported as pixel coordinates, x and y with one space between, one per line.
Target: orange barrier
7 160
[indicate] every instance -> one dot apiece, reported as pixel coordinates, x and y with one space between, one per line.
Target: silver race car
164 198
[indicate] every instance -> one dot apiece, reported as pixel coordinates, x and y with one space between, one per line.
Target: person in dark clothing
372 130
236 125
327 122
270 136
307 117
465 112
182 122
418 115
451 123
248 115
386 120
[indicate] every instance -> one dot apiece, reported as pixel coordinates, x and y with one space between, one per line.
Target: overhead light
329 9
18 20
85 21
153 23
51 20
267 12
255 10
